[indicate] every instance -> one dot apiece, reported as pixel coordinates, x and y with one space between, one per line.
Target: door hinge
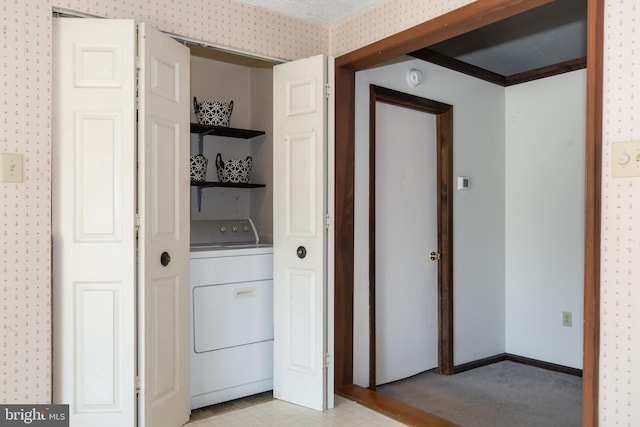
327 360
138 63
327 90
327 221
137 384
137 224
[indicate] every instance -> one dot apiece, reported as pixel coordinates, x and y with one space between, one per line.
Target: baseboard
519 359
545 365
479 363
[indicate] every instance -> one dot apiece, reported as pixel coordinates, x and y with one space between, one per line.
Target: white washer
232 312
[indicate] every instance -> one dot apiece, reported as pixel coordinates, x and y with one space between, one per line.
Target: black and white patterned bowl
198 169
234 170
213 112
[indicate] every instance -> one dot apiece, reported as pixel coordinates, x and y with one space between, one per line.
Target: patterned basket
233 170
213 112
198 168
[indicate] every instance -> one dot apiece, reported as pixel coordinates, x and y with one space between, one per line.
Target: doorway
441 166
454 23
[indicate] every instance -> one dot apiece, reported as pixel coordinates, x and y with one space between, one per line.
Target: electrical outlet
566 318
10 167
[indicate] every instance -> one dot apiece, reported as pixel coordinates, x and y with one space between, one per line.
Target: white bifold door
303 232
120 224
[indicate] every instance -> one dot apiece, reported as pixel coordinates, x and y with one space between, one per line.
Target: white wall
545 148
251 91
478 224
262 151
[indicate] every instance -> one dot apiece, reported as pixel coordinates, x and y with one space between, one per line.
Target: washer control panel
223 232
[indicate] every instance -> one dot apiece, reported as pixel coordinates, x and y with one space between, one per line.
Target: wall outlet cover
566 318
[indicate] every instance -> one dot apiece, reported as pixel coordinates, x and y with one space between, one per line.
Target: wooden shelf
200 185
225 131
204 130
206 184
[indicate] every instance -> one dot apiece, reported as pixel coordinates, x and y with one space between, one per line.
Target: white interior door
93 230
302 330
163 206
406 231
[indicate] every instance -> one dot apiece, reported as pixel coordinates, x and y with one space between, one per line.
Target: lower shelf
209 184
206 184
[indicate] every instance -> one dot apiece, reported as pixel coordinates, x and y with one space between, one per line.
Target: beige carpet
504 394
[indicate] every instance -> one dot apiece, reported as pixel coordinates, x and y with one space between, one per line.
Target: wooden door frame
459 21
444 199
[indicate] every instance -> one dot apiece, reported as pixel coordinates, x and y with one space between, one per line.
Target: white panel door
163 206
301 191
93 230
406 280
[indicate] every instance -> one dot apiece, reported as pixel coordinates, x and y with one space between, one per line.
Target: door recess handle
434 256
165 259
301 252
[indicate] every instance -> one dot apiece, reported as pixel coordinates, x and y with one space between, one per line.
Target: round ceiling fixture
414 77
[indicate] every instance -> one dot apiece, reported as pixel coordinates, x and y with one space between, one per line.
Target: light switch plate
625 159
10 167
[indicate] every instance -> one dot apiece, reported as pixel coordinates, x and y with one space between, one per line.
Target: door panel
300 163
93 231
406 280
301 314
165 186
300 237
163 206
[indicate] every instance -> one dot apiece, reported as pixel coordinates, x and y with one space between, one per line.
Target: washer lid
223 232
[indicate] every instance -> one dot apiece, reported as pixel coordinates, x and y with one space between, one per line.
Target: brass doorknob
434 256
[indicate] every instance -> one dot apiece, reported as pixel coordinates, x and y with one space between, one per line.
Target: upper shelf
225 131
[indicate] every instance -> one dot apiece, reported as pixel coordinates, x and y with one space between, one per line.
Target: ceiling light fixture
414 77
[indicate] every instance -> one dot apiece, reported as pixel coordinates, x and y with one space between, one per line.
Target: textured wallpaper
223 23
25 221
385 19
620 306
25 85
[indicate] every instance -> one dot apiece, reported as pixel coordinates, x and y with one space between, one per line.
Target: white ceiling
326 12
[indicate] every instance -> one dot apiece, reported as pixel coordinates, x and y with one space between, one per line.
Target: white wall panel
545 148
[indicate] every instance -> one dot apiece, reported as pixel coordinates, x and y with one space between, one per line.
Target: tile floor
269 412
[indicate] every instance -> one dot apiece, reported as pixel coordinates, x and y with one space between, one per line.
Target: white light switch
625 159
10 167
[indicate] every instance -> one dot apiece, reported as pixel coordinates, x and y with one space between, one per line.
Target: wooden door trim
467 18
593 168
456 22
444 180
